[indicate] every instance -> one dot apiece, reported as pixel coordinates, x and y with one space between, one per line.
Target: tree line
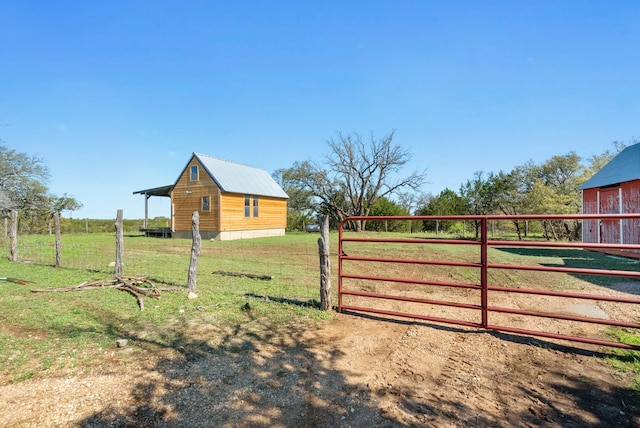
361 177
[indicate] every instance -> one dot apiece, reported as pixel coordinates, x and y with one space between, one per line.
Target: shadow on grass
311 303
585 259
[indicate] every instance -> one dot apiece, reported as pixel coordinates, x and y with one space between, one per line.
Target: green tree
596 162
479 197
386 207
23 187
446 203
22 179
556 191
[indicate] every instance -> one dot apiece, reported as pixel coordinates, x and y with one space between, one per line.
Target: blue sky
116 96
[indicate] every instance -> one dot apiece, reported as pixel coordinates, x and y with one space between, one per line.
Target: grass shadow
311 303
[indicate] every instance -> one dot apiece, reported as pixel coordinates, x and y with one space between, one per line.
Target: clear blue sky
114 96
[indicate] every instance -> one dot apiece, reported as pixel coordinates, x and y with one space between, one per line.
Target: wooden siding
272 213
186 198
226 209
623 199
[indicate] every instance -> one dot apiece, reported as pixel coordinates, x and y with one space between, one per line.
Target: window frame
254 206
247 206
207 207
194 172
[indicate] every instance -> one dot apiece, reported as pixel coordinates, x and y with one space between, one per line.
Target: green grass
43 334
627 361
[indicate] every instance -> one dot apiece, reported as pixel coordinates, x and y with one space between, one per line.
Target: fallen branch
16 281
138 287
248 275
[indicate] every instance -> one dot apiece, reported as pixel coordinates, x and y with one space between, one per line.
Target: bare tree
364 171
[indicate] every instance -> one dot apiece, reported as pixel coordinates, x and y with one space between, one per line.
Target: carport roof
156 191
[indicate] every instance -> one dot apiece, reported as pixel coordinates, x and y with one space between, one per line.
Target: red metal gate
375 269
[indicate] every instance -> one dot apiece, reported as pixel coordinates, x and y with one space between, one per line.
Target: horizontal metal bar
412 316
497 217
412 281
617 299
581 271
544 244
558 316
414 241
563 337
411 261
411 299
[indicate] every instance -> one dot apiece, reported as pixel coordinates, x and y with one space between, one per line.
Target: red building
615 189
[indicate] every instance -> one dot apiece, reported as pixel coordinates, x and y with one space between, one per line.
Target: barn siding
624 199
590 206
631 205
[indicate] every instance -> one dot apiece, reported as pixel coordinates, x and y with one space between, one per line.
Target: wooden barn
615 189
235 201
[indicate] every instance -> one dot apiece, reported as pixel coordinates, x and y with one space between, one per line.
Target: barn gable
615 189
624 167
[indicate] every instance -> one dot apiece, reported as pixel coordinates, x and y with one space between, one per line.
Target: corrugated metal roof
624 167
234 177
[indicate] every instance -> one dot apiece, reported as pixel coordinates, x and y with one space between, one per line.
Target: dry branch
138 287
248 275
16 281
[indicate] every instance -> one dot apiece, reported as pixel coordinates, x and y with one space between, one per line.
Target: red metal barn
615 189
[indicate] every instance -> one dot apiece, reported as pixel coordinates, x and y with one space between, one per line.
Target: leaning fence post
13 236
195 253
119 244
56 222
325 264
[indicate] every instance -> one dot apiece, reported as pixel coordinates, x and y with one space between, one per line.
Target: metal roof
234 177
156 191
624 167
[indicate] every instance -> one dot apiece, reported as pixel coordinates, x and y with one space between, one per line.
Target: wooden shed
615 189
235 201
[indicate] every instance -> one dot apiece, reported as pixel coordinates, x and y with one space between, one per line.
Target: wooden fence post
195 252
13 236
119 244
325 264
56 222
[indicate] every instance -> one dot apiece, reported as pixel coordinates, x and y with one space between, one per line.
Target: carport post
146 209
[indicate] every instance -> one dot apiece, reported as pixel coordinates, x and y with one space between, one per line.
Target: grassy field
43 334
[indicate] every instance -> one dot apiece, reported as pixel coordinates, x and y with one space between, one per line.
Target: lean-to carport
163 191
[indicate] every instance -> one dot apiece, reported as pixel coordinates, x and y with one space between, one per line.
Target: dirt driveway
356 371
